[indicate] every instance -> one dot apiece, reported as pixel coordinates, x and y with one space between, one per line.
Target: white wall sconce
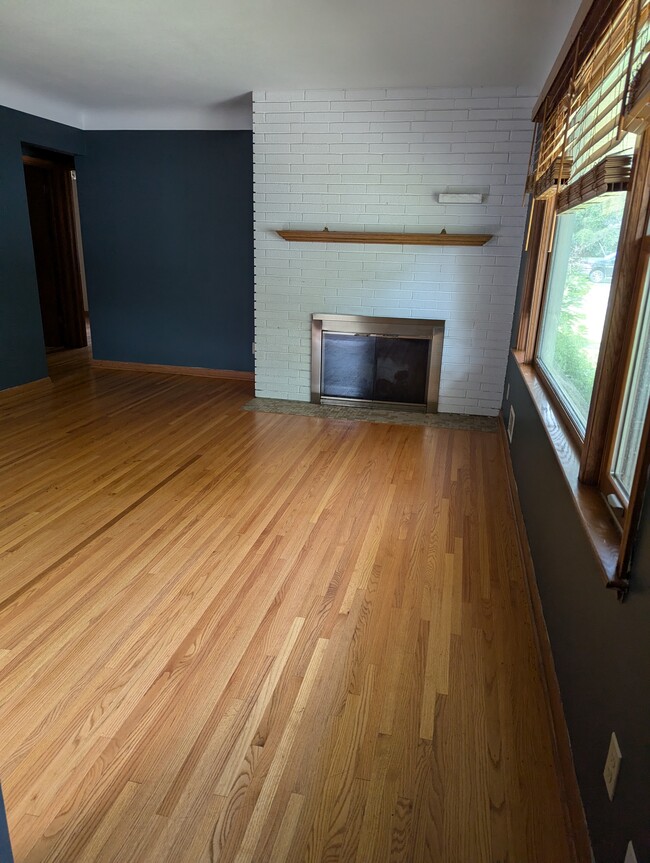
460 198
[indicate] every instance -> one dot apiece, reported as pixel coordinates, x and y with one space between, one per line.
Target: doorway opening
50 182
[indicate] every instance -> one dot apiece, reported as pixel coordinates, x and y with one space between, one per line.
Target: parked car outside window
602 268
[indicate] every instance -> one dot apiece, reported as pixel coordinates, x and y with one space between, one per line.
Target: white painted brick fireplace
376 160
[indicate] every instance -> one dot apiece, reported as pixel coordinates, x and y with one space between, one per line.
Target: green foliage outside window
584 254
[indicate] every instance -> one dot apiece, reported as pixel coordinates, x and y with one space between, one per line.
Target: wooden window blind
552 138
584 123
594 125
637 107
612 174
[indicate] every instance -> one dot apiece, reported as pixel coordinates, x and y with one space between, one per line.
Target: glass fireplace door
374 368
348 366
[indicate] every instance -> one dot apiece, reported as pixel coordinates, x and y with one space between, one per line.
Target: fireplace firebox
376 362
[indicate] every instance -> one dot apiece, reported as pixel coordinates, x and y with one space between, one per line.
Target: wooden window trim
533 241
542 218
539 260
568 423
585 464
609 377
616 332
633 514
624 367
613 546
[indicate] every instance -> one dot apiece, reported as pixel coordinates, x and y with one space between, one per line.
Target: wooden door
51 216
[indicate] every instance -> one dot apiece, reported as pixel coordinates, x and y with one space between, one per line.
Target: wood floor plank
284 838
262 807
255 638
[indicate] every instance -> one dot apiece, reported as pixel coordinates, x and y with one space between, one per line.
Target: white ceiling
97 63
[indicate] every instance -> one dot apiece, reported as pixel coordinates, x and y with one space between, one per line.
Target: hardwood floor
245 637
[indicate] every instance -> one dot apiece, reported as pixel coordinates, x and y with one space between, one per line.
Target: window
579 281
635 404
585 318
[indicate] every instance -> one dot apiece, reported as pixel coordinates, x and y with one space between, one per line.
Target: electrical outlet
511 423
253 349
612 766
630 856
508 391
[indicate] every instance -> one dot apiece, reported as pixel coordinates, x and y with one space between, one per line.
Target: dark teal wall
167 224
22 354
5 843
167 220
601 647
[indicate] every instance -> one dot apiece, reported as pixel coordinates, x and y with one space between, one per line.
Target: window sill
602 532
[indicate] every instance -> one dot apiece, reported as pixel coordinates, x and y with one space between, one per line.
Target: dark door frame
66 266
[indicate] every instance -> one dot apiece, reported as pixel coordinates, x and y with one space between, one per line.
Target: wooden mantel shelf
441 239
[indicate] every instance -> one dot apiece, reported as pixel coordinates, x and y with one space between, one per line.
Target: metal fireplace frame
364 325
